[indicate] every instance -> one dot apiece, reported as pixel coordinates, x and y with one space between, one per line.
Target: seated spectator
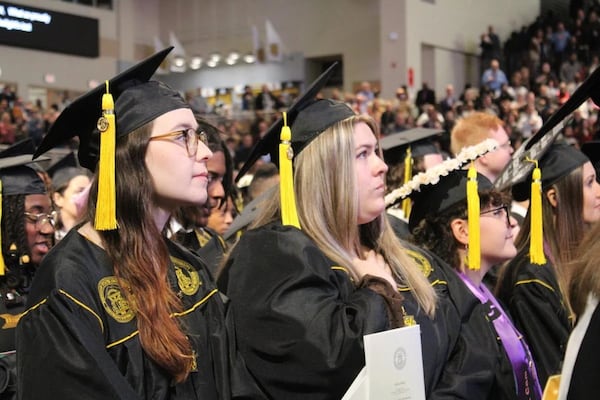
569 68
430 118
529 121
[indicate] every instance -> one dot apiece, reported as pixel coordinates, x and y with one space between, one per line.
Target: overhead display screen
39 29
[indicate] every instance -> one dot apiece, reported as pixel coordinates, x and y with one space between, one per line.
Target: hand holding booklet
394 367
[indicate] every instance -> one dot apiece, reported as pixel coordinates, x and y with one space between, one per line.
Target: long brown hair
585 274
140 258
564 227
325 186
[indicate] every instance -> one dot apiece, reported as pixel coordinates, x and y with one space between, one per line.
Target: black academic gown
299 318
12 304
535 302
80 340
205 242
462 358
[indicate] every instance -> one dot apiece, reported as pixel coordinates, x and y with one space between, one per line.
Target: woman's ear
57 199
552 197
460 230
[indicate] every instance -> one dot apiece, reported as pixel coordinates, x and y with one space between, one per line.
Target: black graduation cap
18 176
436 198
137 102
25 146
535 147
418 139
558 160
120 106
65 169
68 161
320 114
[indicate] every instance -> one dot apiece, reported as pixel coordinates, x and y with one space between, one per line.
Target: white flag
164 66
177 56
178 47
259 51
274 45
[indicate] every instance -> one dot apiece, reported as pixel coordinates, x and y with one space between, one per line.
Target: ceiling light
196 62
215 56
179 61
249 58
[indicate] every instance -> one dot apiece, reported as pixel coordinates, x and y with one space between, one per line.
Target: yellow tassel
289 215
408 163
536 242
2 264
106 218
473 255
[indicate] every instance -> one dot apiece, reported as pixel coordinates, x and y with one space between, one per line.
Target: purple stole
526 381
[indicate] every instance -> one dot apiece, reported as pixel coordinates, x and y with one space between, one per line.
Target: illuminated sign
35 28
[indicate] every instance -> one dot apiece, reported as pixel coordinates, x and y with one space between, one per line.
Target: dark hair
216 144
435 234
140 258
564 227
15 248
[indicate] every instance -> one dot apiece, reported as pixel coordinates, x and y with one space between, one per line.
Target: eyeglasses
498 212
40 219
189 136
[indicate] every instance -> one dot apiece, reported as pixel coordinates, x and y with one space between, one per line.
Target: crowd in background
523 81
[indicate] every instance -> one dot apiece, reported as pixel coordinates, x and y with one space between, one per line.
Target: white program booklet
394 367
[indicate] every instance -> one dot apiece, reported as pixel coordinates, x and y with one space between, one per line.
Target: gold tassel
2 263
408 163
106 218
536 242
289 215
473 253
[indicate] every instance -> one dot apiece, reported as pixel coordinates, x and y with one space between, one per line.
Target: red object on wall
411 77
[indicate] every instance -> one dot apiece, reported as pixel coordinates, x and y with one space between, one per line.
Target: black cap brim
68 161
25 146
448 192
19 177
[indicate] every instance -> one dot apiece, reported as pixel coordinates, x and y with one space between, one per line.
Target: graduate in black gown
563 206
534 292
27 236
580 377
320 267
440 222
118 311
408 153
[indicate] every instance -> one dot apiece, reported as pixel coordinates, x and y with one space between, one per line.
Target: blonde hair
472 129
327 203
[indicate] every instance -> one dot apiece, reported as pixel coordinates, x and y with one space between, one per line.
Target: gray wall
358 30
